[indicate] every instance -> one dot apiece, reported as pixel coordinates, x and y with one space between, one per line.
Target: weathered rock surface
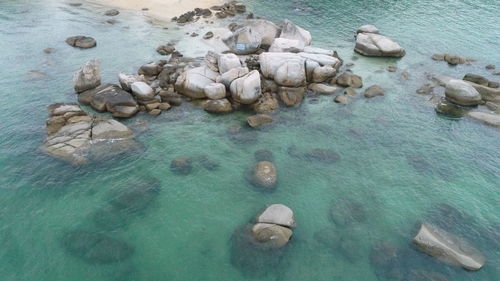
368 28
181 165
227 62
291 31
323 73
218 106
247 89
350 80
277 214
259 120
72 133
244 41
215 91
126 80
283 45
268 30
112 98
273 63
266 103
142 91
112 12
88 77
291 96
448 247
264 175
462 93
376 45
82 42
192 83
487 93
229 76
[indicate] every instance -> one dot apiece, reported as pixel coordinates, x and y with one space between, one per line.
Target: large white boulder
268 30
281 45
227 62
291 31
228 77
376 45
192 83
462 93
246 90
448 247
244 41
215 91
491 119
277 214
142 91
316 50
291 73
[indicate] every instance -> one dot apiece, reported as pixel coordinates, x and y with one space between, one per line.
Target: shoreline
163 10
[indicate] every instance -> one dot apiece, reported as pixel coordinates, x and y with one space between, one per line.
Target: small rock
490 66
208 35
350 80
88 77
426 89
291 96
83 42
350 91
392 68
438 57
165 50
453 59
194 34
112 12
164 106
155 112
368 28
142 90
374 91
259 120
323 89
341 99
215 91
49 50
405 75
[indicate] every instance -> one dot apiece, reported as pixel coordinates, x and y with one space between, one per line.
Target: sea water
400 163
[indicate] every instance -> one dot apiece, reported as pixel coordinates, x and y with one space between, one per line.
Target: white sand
162 9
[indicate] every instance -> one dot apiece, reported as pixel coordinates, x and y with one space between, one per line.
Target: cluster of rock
72 133
228 9
451 59
473 96
369 42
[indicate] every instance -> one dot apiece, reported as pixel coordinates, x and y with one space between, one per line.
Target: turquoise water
399 160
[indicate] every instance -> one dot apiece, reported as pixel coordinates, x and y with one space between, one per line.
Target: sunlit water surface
399 161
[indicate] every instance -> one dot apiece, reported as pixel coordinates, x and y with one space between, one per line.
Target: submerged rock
218 106
264 174
322 155
96 247
259 120
449 109
272 235
345 212
373 91
181 165
82 42
448 247
135 198
88 77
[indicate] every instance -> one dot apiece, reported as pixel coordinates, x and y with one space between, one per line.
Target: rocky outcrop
88 77
215 91
72 133
268 30
82 42
126 80
111 98
448 247
462 93
244 41
247 89
283 45
376 45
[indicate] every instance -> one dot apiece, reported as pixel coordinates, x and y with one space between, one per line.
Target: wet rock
264 175
194 34
478 79
368 28
112 12
49 50
448 247
438 57
462 93
273 235
126 80
247 89
110 218
323 89
392 68
453 59
135 197
218 106
349 80
185 18
323 73
215 91
150 69
110 98
371 44
291 96
96 247
326 156
170 97
88 77
264 155
346 212
259 120
181 165
154 112
350 92
486 117
208 35
266 103
82 42
341 99
426 89
165 50
490 66
164 106
373 91
449 109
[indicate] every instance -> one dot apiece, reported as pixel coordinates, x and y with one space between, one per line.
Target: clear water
398 158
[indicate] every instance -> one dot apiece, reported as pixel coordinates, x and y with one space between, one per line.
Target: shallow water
399 160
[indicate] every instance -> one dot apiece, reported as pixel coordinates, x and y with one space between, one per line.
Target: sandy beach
162 9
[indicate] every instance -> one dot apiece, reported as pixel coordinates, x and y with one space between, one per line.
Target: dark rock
478 79
181 165
194 34
349 80
112 12
170 97
208 35
259 120
453 59
49 50
392 68
110 218
449 109
83 42
111 98
264 155
165 50
137 197
96 247
490 66
150 69
374 91
208 163
186 17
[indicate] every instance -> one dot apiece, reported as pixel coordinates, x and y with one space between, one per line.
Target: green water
399 160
